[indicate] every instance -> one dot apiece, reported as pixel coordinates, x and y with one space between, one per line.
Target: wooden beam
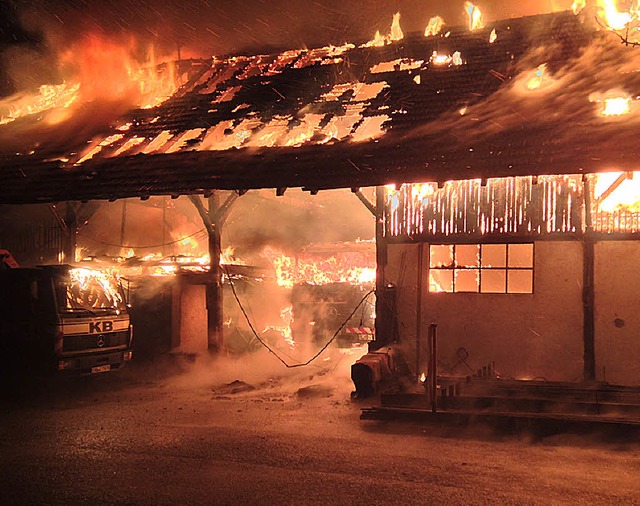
588 289
366 202
613 187
381 260
220 214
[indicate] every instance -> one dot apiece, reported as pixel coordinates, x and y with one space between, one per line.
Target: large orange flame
97 69
394 34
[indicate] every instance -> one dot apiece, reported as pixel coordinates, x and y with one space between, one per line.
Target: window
481 268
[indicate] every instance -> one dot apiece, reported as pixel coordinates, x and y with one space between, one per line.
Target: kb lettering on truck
95 327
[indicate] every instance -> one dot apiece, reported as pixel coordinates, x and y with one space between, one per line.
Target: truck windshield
87 289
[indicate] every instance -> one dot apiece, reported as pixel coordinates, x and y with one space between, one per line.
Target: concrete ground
251 432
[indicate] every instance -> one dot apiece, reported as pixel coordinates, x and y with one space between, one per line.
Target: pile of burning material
155 265
328 282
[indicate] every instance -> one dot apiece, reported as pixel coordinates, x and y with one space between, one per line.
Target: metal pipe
433 372
419 308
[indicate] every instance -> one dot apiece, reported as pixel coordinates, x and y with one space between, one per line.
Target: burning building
500 153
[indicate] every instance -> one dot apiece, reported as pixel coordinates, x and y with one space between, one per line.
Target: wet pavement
212 433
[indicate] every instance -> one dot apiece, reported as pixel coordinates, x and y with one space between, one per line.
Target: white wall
617 304
528 336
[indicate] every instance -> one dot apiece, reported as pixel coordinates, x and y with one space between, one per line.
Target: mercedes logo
100 341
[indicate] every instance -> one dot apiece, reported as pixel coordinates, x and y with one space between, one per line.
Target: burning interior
505 212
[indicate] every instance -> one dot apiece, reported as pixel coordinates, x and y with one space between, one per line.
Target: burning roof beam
322 114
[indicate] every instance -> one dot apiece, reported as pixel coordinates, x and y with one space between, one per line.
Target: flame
96 69
285 328
395 34
615 20
612 104
446 59
538 79
625 197
84 278
48 96
616 106
423 377
396 31
493 36
475 16
627 21
227 257
110 70
578 5
320 269
434 26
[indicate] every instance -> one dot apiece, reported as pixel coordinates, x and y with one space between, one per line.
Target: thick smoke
550 100
228 26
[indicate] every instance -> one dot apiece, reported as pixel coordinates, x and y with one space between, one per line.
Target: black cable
301 364
142 247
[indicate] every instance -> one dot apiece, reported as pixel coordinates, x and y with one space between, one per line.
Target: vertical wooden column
71 232
123 223
381 261
588 289
213 219
214 286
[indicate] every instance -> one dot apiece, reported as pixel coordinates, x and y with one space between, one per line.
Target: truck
62 319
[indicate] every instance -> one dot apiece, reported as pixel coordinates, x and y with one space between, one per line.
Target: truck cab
63 318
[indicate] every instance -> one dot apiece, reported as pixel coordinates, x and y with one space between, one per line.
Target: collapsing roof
497 101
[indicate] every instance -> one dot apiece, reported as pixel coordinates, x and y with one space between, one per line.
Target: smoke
260 375
227 26
554 98
260 219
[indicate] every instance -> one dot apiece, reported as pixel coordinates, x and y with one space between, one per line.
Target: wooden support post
214 287
213 219
123 224
588 300
588 289
381 260
71 232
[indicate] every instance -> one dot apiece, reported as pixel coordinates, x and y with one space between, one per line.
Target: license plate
100 368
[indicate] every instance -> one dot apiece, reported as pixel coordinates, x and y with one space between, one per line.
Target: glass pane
520 281
441 280
467 255
520 255
441 255
494 255
466 280
493 281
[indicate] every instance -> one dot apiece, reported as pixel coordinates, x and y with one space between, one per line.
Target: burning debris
428 90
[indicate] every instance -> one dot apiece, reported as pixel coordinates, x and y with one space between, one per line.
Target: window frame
506 269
